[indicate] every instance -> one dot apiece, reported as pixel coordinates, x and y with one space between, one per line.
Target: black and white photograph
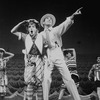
49 50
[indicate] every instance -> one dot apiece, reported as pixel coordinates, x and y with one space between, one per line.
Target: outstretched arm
63 27
77 12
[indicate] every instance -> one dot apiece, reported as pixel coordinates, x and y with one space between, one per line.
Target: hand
23 22
32 20
78 11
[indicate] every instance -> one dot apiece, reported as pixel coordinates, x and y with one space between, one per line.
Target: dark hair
68 51
1 51
30 22
34 22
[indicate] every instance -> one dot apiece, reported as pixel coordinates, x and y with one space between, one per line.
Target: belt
55 46
32 58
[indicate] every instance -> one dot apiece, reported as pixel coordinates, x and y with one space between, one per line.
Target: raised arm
77 12
10 55
63 27
17 26
15 32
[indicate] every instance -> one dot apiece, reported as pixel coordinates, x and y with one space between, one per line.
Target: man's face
48 21
68 55
98 61
32 29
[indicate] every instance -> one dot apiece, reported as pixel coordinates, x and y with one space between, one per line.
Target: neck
34 36
47 27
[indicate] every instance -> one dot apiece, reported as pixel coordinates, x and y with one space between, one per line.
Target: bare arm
15 32
17 26
91 71
10 55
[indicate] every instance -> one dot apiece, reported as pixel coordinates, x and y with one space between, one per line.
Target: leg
57 58
98 92
61 94
66 76
46 89
46 82
25 96
29 93
40 93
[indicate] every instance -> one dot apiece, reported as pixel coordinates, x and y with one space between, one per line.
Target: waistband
55 46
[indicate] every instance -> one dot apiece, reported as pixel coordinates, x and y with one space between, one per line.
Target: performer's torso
97 72
54 40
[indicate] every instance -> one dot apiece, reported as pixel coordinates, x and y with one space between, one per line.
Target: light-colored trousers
56 57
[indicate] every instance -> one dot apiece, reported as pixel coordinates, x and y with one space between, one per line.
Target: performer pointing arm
64 26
